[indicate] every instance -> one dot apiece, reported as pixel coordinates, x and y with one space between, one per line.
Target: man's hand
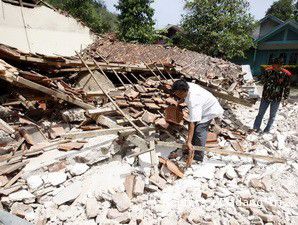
190 147
190 153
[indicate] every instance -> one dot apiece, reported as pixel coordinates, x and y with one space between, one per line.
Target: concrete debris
3 180
230 172
55 178
21 210
139 186
77 169
34 182
69 193
122 201
92 209
22 195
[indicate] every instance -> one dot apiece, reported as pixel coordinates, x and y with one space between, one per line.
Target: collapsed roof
191 63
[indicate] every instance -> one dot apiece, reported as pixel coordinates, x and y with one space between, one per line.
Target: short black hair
180 85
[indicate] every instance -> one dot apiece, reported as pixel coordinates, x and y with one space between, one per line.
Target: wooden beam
6 127
94 133
14 179
223 152
152 71
98 111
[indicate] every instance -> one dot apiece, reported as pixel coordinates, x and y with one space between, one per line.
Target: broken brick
140 88
174 115
158 100
172 167
130 93
33 135
129 185
164 106
136 104
57 166
211 137
122 103
152 105
3 180
150 83
136 113
162 122
119 97
56 131
149 117
236 146
71 146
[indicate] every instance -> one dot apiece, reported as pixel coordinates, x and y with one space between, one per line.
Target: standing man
276 88
203 107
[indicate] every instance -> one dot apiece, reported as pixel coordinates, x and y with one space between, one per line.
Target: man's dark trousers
274 105
200 138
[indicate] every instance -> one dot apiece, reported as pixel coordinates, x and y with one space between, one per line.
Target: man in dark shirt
276 82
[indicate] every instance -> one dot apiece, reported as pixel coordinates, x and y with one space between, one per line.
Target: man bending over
203 107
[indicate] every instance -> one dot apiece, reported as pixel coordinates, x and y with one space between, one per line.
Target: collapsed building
66 109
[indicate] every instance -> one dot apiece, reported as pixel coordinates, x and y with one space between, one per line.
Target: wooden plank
11 168
14 179
6 127
99 111
106 121
123 84
94 133
230 97
232 87
166 71
152 71
223 152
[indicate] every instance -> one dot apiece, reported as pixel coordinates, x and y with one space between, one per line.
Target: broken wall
48 31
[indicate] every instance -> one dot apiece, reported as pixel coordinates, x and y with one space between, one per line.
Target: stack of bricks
153 103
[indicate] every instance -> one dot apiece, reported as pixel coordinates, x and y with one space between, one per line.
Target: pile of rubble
63 119
222 190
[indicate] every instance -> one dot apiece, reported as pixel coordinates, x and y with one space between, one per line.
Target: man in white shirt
203 107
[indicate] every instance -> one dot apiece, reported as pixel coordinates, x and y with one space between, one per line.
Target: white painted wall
49 32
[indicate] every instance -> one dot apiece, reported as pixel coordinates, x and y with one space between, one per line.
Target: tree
220 28
296 11
91 12
282 9
136 21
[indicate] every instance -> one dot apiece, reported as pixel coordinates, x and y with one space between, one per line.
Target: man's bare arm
191 129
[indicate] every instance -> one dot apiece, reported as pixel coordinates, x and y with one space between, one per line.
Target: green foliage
220 28
136 21
283 9
296 12
91 12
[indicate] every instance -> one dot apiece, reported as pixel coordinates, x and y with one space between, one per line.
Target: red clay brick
149 117
130 93
152 106
162 122
174 115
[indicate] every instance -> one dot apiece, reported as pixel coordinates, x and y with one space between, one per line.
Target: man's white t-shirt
202 105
